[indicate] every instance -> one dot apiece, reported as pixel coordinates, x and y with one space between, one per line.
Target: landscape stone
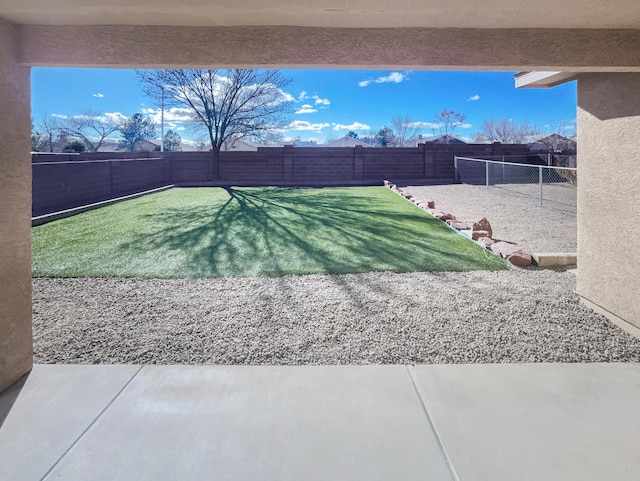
479 234
445 217
504 249
483 225
456 224
486 242
431 204
520 259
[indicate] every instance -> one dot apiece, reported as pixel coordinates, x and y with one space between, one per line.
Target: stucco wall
609 193
15 212
278 46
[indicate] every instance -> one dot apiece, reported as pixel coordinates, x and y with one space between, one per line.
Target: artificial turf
212 232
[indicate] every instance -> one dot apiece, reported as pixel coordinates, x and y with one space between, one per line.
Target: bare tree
266 138
48 133
404 131
448 121
506 131
225 103
90 127
331 137
36 138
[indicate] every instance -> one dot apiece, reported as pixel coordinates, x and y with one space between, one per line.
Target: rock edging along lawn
480 231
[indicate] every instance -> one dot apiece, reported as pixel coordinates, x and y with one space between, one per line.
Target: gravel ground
519 315
514 218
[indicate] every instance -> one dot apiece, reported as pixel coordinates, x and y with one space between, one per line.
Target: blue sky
329 103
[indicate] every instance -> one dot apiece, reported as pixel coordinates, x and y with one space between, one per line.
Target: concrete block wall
323 164
405 163
62 185
264 165
188 167
65 181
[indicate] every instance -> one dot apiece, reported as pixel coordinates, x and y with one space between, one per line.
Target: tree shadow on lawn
275 232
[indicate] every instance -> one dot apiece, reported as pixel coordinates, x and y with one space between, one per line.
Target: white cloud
433 125
424 125
306 109
173 114
116 117
98 95
303 96
353 126
473 98
320 101
60 116
180 129
287 97
305 125
393 77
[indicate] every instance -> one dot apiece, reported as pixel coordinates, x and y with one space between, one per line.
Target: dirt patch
550 228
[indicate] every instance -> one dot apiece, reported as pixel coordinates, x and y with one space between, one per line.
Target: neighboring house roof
306 143
553 142
145 145
238 145
140 146
445 139
108 146
346 141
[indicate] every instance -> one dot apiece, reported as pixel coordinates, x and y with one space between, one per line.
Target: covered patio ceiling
468 14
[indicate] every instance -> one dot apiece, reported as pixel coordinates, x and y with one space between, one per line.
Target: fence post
358 162
486 174
428 158
110 164
540 181
287 160
455 168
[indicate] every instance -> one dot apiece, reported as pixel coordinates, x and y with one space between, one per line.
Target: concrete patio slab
536 421
46 412
438 422
267 423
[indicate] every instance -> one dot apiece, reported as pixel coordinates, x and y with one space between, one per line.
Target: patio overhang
540 80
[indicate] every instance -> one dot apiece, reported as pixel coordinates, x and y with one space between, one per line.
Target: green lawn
209 232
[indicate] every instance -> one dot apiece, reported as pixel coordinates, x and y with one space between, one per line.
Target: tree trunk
214 173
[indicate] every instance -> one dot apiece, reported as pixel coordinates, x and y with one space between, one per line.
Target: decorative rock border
480 231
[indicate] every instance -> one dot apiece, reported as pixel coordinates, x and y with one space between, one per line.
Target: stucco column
609 195
15 212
